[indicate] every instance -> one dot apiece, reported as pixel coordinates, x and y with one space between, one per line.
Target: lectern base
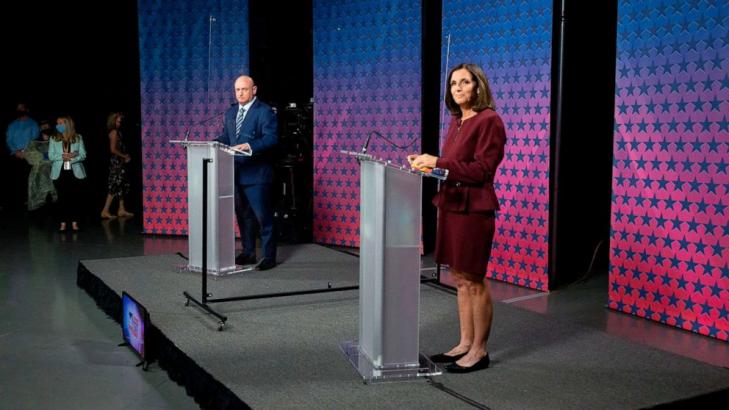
372 374
230 271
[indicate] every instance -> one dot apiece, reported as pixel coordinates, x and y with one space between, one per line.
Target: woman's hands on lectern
423 161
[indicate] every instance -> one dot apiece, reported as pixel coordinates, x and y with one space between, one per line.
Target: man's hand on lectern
242 147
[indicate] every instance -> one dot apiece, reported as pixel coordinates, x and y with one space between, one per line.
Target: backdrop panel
366 78
511 40
670 238
190 54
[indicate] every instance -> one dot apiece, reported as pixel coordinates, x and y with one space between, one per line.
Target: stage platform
284 352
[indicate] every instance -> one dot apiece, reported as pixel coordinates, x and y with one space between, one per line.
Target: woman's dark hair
481 98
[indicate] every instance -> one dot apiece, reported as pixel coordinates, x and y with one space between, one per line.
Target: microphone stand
367 143
211 19
205 121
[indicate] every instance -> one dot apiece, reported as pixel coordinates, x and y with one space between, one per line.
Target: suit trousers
254 208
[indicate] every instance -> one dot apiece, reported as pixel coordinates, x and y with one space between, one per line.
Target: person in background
19 133
251 126
67 153
40 185
466 203
118 185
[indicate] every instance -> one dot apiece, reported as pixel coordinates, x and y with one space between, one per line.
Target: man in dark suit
251 125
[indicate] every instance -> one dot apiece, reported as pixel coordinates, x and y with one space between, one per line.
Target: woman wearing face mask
466 203
67 152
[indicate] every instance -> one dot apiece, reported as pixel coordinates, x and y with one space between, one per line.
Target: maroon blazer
472 152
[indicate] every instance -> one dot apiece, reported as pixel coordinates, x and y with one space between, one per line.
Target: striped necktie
239 120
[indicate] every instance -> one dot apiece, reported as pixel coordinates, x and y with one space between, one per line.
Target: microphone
205 121
367 141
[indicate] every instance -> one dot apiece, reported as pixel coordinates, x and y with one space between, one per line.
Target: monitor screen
134 321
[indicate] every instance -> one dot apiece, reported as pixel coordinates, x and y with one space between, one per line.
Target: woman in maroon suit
466 202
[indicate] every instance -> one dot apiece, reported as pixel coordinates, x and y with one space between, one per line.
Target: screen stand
144 363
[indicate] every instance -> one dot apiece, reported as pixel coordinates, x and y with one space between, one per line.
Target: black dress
118 182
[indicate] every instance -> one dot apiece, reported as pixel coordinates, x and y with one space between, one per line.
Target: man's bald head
245 89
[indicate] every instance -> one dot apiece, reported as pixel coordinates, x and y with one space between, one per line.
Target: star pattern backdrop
190 54
367 57
512 41
669 250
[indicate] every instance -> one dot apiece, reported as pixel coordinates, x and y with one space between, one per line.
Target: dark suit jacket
471 154
260 130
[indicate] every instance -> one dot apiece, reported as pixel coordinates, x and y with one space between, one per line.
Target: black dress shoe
444 358
266 264
245 259
479 365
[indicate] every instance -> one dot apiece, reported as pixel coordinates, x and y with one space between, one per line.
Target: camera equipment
294 173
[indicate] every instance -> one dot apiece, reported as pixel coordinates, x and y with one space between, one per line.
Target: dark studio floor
60 351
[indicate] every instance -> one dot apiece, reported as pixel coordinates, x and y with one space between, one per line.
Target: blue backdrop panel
366 78
669 251
190 54
511 40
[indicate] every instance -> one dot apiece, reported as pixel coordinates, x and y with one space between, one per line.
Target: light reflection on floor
584 303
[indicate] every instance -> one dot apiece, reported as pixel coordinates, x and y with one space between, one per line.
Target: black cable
594 255
333 247
457 395
592 263
415 139
443 288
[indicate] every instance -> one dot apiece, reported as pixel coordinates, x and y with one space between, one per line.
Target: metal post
206 161
203 304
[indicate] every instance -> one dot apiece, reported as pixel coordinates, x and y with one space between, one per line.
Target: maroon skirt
463 242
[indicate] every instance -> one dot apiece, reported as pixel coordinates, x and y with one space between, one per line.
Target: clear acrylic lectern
220 204
389 274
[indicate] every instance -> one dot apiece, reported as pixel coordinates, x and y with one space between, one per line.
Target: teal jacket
55 154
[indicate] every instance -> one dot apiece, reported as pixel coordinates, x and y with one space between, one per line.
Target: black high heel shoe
479 365
444 358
